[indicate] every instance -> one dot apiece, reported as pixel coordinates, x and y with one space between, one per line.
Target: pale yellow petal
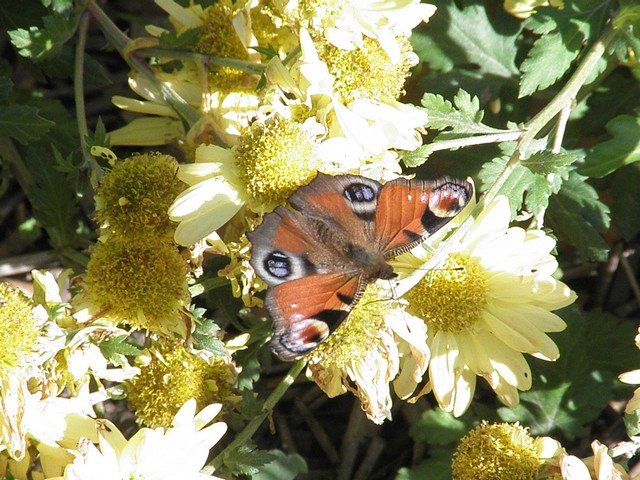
140 106
203 197
147 132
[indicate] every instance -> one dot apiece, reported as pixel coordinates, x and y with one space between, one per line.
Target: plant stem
187 114
245 435
506 136
563 100
251 68
78 95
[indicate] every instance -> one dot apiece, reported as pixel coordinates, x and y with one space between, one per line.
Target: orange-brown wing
305 311
409 211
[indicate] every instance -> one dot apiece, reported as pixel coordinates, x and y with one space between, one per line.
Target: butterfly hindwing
305 311
409 211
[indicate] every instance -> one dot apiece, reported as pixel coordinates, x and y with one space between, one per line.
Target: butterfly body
319 257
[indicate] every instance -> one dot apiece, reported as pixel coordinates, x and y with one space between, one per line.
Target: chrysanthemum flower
486 305
132 198
172 374
137 283
363 120
598 467
347 24
269 163
179 452
377 344
224 96
501 452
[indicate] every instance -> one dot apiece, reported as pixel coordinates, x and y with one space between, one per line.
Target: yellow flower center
451 297
18 331
496 452
219 38
137 283
134 196
353 339
275 159
173 376
353 69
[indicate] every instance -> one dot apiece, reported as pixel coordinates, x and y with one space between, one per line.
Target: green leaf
52 197
546 162
247 460
180 41
282 467
549 59
437 427
42 43
578 217
516 185
466 48
622 149
438 467
23 123
463 118
116 348
626 201
572 392
205 338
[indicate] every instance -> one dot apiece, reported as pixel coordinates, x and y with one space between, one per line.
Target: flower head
136 283
500 452
133 198
376 344
171 375
486 305
179 452
598 467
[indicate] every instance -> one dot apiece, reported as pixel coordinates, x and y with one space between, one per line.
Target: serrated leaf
632 423
622 149
282 467
46 42
577 217
546 162
23 123
463 118
626 201
570 393
515 186
115 348
186 40
418 156
205 339
247 460
548 60
468 48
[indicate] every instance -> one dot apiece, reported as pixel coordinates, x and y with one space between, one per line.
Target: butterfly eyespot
278 264
359 192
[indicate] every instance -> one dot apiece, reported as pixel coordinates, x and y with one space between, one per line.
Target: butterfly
319 256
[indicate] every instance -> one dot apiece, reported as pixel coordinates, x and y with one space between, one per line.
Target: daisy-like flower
485 306
269 163
501 452
378 343
224 96
362 118
179 452
170 374
347 24
598 467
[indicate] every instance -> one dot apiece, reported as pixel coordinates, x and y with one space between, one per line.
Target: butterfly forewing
409 211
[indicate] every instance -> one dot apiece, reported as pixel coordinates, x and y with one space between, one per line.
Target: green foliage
248 460
116 349
578 217
43 42
622 149
180 41
626 201
468 49
282 467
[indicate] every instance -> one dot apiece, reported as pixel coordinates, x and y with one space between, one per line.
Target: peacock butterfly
319 257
